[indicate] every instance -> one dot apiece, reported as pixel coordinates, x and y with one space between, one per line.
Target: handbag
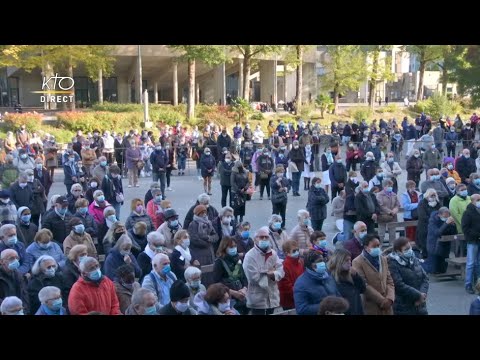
279 197
140 164
237 201
292 167
195 156
119 197
263 175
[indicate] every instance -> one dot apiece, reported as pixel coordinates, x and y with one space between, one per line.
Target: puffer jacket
317 203
301 234
134 218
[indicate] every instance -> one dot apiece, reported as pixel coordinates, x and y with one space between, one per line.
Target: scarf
329 158
201 220
49 311
375 261
317 275
185 253
149 252
227 230
401 259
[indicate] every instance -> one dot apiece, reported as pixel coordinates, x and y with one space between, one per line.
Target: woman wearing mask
98 206
280 186
71 270
207 166
228 270
409 278
78 236
327 160
302 231
240 184
225 170
138 235
349 284
193 276
109 218
427 206
440 224
215 301
264 171
224 224
125 285
296 159
308 172
319 244
154 208
43 244
116 230
181 257
373 267
51 301
293 267
170 227
313 285
133 156
317 204
92 187
26 230
243 239
410 200
138 214
120 254
41 174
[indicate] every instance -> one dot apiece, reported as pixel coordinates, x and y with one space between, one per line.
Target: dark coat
145 263
169 310
212 214
310 289
351 292
114 260
133 218
217 225
38 282
436 229
297 156
317 203
354 246
71 203
111 187
57 226
414 168
45 179
471 224
225 171
178 265
243 245
363 212
475 307
424 212
69 175
139 242
220 274
13 284
368 170
465 167
410 281
286 183
338 174
21 249
202 240
71 273
472 189
26 233
207 163
159 160
21 197
325 164
88 221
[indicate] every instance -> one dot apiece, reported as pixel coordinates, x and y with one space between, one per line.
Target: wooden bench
392 228
461 262
458 261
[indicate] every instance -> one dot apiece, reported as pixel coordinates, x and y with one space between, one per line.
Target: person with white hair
263 269
160 279
20 193
52 202
71 270
355 244
93 291
203 199
155 244
193 279
369 167
389 206
121 254
12 282
426 207
12 305
45 272
98 206
9 240
366 206
100 170
109 218
144 302
76 192
302 231
277 235
51 301
225 224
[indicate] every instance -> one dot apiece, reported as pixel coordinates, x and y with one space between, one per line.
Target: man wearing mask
458 205
225 169
470 225
338 176
8 233
224 141
414 167
366 206
355 245
208 165
247 133
56 221
97 143
431 158
159 161
465 166
265 169
434 183
11 280
237 137
369 167
160 279
392 170
23 137
143 303
20 193
88 157
375 150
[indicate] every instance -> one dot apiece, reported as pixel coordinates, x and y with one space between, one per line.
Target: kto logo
49 86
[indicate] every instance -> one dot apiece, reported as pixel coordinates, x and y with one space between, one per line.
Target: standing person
431 158
302 231
113 189
410 200
296 166
317 204
119 150
99 171
338 175
265 168
465 166
392 170
429 204
327 161
293 267
414 167
41 174
133 156
97 143
366 206
203 236
471 229
451 139
373 267
263 269
240 185
389 206
51 158
308 171
438 137
159 162
458 204
352 157
208 165
88 157
409 278
225 169
369 167
109 146
439 224
20 193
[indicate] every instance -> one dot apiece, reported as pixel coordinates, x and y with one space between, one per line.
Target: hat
199 209
449 180
4 194
62 200
21 209
170 213
179 291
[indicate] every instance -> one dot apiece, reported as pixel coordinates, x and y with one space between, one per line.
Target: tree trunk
321 111
298 92
285 83
444 80
49 73
372 84
175 83
191 89
246 77
335 99
70 74
420 81
100 86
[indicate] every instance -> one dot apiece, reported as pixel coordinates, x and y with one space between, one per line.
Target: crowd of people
72 255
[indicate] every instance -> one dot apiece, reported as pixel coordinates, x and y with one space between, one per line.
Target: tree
452 56
426 54
467 73
248 52
345 69
323 101
377 70
209 54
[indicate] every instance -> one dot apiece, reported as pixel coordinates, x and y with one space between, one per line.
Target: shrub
241 108
422 106
31 120
306 110
257 116
360 113
438 105
101 120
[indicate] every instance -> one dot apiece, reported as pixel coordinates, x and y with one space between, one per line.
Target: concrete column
138 77
146 116
285 83
100 86
219 76
155 92
275 83
268 80
197 93
240 78
175 82
309 83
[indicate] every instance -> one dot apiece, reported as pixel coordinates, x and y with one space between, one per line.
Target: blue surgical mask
320 267
125 252
307 222
318 186
264 244
62 211
112 218
232 251
435 177
103 163
22 185
158 198
26 218
82 259
79 229
174 223
365 190
463 193
245 234
223 307
45 246
362 234
277 225
39 166
56 304
152 310
182 307
195 284
477 181
95 275
443 218
50 272
83 210
380 175
375 252
186 243
166 269
101 198
12 241
408 253
295 254
14 265
389 189
323 244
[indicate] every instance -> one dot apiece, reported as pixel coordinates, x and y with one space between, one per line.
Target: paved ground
444 298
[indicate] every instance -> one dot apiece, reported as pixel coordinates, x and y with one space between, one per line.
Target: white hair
224 210
263 229
155 236
98 193
47 293
302 214
123 239
37 267
158 258
357 225
362 184
138 296
191 271
5 228
203 199
431 192
274 218
9 303
87 261
109 209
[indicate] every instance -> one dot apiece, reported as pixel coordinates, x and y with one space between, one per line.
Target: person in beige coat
373 267
277 235
389 206
78 236
391 170
301 232
263 269
88 158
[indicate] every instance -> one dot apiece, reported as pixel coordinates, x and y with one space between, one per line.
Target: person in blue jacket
121 254
475 305
313 285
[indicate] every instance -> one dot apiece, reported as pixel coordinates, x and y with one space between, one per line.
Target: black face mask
117 235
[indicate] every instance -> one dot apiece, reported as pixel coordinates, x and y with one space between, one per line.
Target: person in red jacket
93 291
293 267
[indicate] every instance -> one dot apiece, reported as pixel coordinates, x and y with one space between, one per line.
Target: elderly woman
98 206
76 193
45 272
12 305
81 212
71 270
155 245
440 223
264 270
160 279
26 229
8 210
116 230
181 257
277 234
143 303
243 238
317 203
410 200
215 301
121 254
302 231
20 193
170 227
154 208
203 199
373 267
349 284
12 281
51 301
138 234
193 280
280 186
138 214
389 206
409 278
313 285
293 268
9 240
78 236
125 285
296 159
133 156
225 224
240 184
43 245
426 207
203 236
228 270
110 217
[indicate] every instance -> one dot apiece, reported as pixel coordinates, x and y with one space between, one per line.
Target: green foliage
101 120
307 110
31 120
209 54
391 108
438 105
468 74
257 116
324 102
360 113
242 108
116 107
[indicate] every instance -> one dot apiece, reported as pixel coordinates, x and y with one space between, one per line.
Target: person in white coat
108 149
391 170
263 269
